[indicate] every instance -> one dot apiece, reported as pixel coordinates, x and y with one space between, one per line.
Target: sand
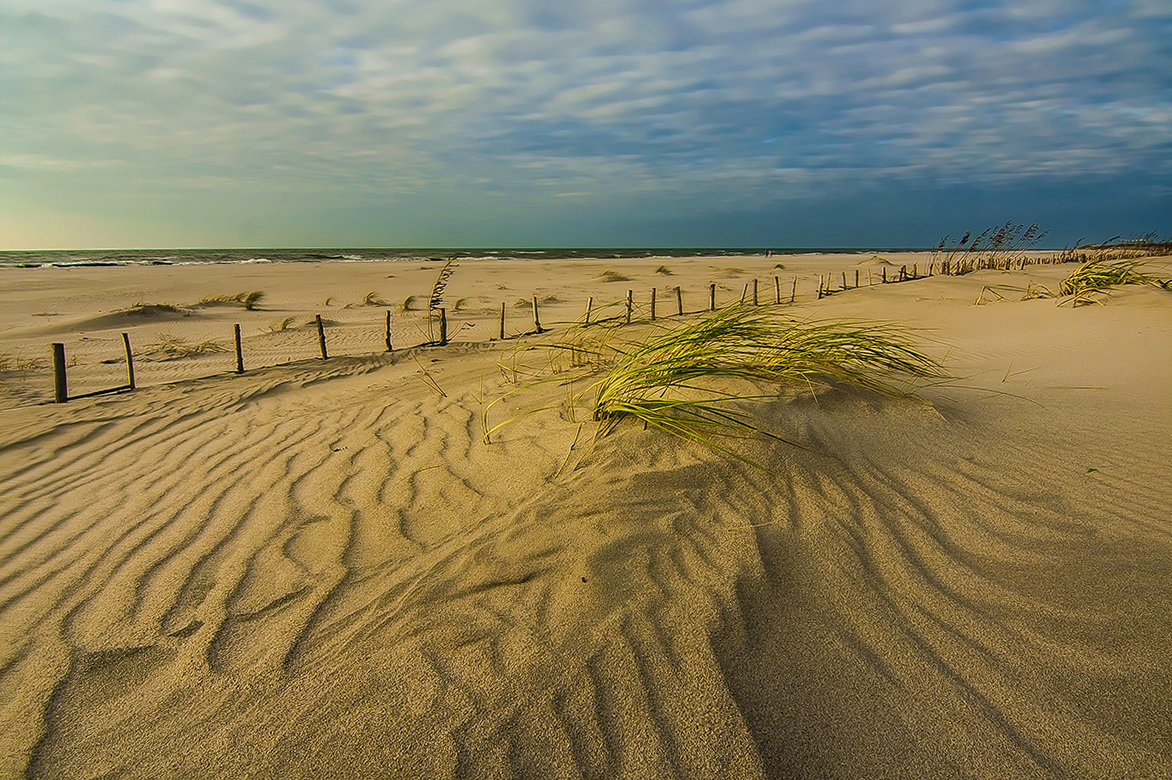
321 569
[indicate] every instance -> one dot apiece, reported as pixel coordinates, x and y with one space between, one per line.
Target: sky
234 123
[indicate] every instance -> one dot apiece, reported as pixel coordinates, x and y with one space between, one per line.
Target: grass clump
248 299
663 270
1099 276
372 298
696 380
409 303
170 347
18 364
276 326
613 276
667 382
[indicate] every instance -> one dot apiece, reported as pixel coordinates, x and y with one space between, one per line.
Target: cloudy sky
161 123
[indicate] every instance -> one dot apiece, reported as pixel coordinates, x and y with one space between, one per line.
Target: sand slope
320 569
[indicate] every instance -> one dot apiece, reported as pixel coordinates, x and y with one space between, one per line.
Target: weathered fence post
502 320
712 297
679 302
60 387
821 281
793 291
239 349
536 317
589 306
653 304
915 271
630 304
321 338
388 335
885 274
755 292
777 289
744 293
844 280
443 340
856 278
129 361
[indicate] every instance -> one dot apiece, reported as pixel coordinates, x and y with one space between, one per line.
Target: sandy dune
321 569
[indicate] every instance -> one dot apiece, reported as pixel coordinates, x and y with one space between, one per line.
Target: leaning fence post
321 338
444 327
129 361
536 319
502 320
239 350
60 388
388 336
712 297
653 304
793 291
589 306
679 302
630 304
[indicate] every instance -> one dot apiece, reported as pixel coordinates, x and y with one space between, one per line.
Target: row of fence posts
61 388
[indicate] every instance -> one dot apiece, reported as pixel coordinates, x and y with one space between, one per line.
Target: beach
322 568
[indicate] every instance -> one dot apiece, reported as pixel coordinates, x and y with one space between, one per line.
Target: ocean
102 257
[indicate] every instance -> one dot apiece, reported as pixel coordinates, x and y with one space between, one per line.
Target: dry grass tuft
613 276
11 363
663 270
248 299
372 298
170 347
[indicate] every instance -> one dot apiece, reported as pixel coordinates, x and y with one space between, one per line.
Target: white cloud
389 99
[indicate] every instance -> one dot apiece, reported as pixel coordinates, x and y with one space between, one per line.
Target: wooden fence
750 295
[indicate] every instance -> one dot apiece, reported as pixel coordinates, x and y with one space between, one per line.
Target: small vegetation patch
663 270
248 299
613 276
170 347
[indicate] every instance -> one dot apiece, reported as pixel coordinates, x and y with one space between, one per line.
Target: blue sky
599 122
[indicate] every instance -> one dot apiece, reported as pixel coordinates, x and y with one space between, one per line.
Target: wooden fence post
885 274
755 303
388 335
239 349
589 306
744 292
856 278
777 289
821 281
793 291
679 302
444 325
653 304
129 361
844 280
60 387
502 320
712 297
630 304
321 338
536 318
